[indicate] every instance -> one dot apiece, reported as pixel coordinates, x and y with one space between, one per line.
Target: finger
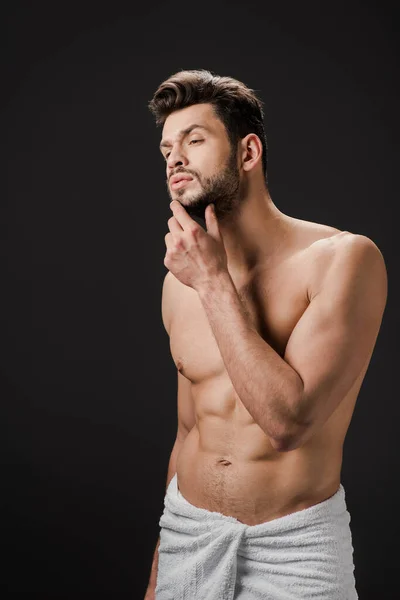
181 215
169 240
174 226
174 244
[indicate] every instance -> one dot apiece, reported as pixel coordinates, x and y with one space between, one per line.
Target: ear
251 151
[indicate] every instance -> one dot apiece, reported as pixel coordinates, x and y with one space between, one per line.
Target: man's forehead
180 120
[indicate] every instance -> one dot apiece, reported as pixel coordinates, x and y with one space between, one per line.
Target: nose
176 158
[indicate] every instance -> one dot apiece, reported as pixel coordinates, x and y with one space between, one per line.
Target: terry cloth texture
206 555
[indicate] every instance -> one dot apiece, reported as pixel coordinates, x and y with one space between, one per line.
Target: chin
183 200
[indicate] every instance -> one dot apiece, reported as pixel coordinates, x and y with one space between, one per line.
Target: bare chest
274 298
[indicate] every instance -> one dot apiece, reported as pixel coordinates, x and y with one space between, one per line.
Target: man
272 323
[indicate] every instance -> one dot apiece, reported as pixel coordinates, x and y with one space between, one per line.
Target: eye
191 142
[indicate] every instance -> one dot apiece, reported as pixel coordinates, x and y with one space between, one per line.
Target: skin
272 323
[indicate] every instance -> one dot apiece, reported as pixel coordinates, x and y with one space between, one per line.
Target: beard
222 190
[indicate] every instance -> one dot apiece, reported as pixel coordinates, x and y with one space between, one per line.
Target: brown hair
236 105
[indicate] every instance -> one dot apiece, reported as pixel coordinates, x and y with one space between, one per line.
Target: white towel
206 555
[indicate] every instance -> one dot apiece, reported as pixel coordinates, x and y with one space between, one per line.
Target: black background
88 383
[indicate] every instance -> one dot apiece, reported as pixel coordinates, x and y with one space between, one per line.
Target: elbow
289 438
288 442
297 431
294 438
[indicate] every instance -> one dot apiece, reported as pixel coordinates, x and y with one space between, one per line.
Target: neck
255 232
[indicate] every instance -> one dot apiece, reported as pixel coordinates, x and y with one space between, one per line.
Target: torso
227 463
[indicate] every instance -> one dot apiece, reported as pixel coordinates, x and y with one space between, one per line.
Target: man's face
196 146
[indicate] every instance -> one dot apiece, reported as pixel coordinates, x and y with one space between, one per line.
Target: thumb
212 222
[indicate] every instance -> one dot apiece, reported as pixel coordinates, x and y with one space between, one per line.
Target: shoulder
173 293
345 245
327 252
167 296
347 255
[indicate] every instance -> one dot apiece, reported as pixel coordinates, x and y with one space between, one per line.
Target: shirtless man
272 322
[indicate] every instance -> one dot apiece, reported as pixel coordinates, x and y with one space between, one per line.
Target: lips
180 183
180 180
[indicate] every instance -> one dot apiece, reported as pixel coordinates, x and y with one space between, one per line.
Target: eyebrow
184 132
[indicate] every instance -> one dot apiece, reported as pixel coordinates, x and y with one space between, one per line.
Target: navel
223 461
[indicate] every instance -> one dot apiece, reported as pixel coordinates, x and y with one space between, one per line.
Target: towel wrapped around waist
206 555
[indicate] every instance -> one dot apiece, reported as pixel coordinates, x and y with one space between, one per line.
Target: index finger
180 214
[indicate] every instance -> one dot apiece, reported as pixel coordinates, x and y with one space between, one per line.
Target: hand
193 255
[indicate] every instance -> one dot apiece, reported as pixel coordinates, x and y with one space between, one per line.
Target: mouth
180 183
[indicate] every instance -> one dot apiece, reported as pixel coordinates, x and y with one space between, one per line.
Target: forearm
264 382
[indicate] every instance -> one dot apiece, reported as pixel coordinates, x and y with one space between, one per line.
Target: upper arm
336 334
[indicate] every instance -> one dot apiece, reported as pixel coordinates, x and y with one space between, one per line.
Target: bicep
336 335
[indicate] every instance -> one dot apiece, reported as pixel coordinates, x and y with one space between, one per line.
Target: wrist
218 283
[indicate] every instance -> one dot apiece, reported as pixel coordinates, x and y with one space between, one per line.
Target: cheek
211 162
